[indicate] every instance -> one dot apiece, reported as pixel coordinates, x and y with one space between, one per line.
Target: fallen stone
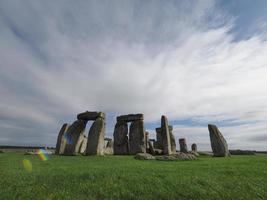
130 117
137 137
218 143
95 141
87 115
183 146
158 151
177 156
144 156
61 142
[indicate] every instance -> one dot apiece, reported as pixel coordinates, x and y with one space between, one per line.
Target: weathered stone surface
130 117
121 146
176 157
108 151
74 137
158 151
194 147
166 141
218 143
61 142
83 146
159 143
110 144
87 115
144 156
137 137
172 138
183 146
146 139
151 148
95 142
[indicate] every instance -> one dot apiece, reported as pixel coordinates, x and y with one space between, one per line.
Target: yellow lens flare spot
27 165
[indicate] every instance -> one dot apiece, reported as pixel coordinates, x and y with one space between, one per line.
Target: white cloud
122 59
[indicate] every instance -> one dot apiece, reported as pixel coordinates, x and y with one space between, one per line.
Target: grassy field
123 177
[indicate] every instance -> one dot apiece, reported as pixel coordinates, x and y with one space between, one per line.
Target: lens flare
67 137
43 155
27 165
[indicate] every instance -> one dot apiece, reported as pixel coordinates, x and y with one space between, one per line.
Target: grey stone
151 148
110 144
121 146
183 146
137 137
83 146
166 141
144 156
87 115
194 147
95 142
74 137
146 139
61 142
159 143
218 143
130 118
172 138
176 157
158 151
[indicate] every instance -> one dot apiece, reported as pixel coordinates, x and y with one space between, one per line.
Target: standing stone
96 136
194 147
137 137
159 142
151 148
172 138
146 139
61 142
218 143
165 136
110 144
121 146
83 145
183 146
74 137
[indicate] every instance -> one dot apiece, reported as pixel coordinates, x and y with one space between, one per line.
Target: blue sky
197 62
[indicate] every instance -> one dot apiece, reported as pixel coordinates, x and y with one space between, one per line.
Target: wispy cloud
122 57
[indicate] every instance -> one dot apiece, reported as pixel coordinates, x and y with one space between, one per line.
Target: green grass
123 177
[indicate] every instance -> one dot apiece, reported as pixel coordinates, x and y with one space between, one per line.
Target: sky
197 62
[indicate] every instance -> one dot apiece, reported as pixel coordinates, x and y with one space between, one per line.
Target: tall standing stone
159 142
218 143
183 146
137 137
194 147
95 141
61 142
83 145
165 136
74 137
172 138
121 146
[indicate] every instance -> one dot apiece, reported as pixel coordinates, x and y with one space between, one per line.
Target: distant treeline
245 152
25 147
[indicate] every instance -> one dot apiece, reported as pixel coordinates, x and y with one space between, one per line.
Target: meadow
123 177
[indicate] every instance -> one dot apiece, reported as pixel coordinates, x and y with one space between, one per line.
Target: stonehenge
165 138
72 141
132 141
218 143
183 145
128 139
